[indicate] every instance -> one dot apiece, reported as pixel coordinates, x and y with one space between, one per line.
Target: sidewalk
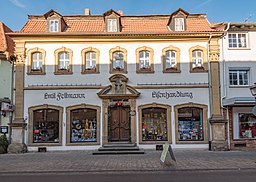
84 161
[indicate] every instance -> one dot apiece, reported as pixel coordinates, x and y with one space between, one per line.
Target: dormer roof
51 13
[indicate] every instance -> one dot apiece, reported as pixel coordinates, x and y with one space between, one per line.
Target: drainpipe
225 84
209 82
12 61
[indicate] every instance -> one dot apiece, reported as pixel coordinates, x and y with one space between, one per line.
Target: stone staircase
118 148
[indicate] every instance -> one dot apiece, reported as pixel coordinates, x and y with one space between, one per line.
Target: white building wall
36 97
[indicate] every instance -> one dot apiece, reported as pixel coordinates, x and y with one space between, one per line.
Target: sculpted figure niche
118 86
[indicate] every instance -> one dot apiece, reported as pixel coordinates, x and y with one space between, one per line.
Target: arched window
83 124
63 61
191 123
155 123
90 60
144 61
45 125
171 59
198 59
36 61
118 60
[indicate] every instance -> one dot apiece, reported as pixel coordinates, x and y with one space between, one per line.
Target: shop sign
7 107
167 148
61 96
167 95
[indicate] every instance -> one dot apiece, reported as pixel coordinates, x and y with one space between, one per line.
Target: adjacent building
6 79
87 80
238 70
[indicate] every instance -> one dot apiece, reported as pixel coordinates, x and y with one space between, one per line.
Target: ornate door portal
119 124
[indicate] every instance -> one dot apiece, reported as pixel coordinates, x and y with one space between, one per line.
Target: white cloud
17 3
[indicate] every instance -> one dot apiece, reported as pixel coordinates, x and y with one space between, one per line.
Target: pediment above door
118 89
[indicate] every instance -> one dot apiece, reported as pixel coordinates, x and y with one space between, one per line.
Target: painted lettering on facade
167 95
61 96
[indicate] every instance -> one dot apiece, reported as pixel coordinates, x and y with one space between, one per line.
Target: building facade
6 77
238 74
88 80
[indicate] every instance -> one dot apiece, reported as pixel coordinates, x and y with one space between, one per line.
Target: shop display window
46 126
190 124
154 124
83 125
247 125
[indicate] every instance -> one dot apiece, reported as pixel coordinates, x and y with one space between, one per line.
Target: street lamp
253 90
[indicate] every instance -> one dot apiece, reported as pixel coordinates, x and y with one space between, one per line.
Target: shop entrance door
119 125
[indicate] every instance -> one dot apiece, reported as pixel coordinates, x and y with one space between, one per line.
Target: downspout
225 84
12 61
210 83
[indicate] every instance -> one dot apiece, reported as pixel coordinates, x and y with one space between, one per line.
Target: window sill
82 143
36 73
145 72
239 86
191 142
63 73
90 72
154 142
239 49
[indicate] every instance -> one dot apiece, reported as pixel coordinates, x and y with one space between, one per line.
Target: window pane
46 126
190 124
83 125
154 124
247 125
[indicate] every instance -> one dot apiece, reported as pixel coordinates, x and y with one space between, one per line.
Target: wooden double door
119 124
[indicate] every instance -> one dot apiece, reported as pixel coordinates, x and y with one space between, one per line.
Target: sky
14 13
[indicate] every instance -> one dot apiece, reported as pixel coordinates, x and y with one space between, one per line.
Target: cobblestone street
84 161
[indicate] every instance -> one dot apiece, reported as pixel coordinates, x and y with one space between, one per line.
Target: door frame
109 123
108 103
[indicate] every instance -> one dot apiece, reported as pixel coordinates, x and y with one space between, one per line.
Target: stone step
118 148
113 145
120 152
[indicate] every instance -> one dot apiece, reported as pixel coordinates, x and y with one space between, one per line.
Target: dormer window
178 20
179 24
112 25
54 26
112 21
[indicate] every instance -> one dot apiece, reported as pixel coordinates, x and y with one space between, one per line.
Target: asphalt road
177 176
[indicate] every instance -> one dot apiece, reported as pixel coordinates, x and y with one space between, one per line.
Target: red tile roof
6 43
130 24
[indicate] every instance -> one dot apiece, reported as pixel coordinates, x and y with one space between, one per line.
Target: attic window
112 25
54 26
179 24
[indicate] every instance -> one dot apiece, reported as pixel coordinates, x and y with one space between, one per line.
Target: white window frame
179 24
118 63
37 64
197 61
238 40
90 63
65 61
54 26
144 61
112 25
237 72
170 59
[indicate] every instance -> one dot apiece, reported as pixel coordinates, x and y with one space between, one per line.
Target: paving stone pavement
84 161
